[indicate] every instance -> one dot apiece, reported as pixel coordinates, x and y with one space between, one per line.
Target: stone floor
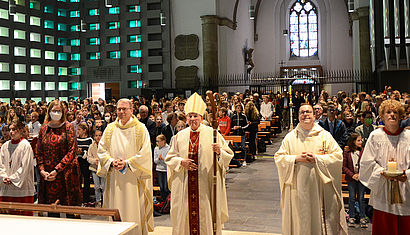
253 199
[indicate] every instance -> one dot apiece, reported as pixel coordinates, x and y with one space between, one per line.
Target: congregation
62 142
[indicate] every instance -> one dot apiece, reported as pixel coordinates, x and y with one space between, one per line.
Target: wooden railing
55 208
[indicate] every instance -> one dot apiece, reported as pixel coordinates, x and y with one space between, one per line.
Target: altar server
388 147
17 169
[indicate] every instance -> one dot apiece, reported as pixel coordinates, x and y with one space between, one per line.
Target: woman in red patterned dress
56 159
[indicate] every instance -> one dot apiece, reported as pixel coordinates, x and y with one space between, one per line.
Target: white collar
130 120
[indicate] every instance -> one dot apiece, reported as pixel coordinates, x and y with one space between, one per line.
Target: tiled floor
253 199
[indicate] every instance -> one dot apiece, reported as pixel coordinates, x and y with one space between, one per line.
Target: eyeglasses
331 110
305 112
122 109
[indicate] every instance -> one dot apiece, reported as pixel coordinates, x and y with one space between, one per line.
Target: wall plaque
187 77
187 47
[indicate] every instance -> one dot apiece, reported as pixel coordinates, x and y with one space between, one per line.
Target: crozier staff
190 172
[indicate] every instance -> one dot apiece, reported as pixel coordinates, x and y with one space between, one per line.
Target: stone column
360 19
210 48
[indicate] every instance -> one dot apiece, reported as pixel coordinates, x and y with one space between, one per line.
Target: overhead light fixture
162 19
108 3
251 12
83 26
350 6
12 7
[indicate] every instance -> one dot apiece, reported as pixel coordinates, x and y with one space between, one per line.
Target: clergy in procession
385 169
190 175
125 162
309 164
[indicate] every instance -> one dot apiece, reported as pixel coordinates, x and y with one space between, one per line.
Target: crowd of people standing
64 137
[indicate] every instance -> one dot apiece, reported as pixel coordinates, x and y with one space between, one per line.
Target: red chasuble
193 190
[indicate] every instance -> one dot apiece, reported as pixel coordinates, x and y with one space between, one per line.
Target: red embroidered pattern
193 189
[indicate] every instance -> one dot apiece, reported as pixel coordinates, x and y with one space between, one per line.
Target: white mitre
195 104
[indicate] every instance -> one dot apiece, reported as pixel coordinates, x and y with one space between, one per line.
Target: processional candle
392 166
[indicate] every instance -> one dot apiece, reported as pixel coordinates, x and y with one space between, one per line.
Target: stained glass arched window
303 29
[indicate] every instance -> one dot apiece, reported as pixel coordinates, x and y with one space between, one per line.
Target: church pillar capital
359 13
210 19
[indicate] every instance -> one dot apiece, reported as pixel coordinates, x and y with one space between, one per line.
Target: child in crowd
160 152
84 142
180 126
107 118
158 124
239 123
99 125
351 163
91 126
16 168
93 159
224 122
6 133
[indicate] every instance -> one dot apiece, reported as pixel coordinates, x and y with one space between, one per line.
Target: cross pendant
323 151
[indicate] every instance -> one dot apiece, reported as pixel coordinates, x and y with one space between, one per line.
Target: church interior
109 49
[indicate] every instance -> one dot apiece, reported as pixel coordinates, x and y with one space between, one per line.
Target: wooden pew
55 208
274 124
235 139
264 133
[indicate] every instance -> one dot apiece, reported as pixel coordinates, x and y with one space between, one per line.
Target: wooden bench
235 139
55 208
275 124
262 126
264 133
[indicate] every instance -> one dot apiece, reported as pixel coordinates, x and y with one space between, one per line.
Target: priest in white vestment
197 142
125 162
309 164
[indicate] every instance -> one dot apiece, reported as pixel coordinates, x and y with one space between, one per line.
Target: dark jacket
339 132
348 168
282 102
150 125
350 127
239 120
166 130
253 125
158 129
